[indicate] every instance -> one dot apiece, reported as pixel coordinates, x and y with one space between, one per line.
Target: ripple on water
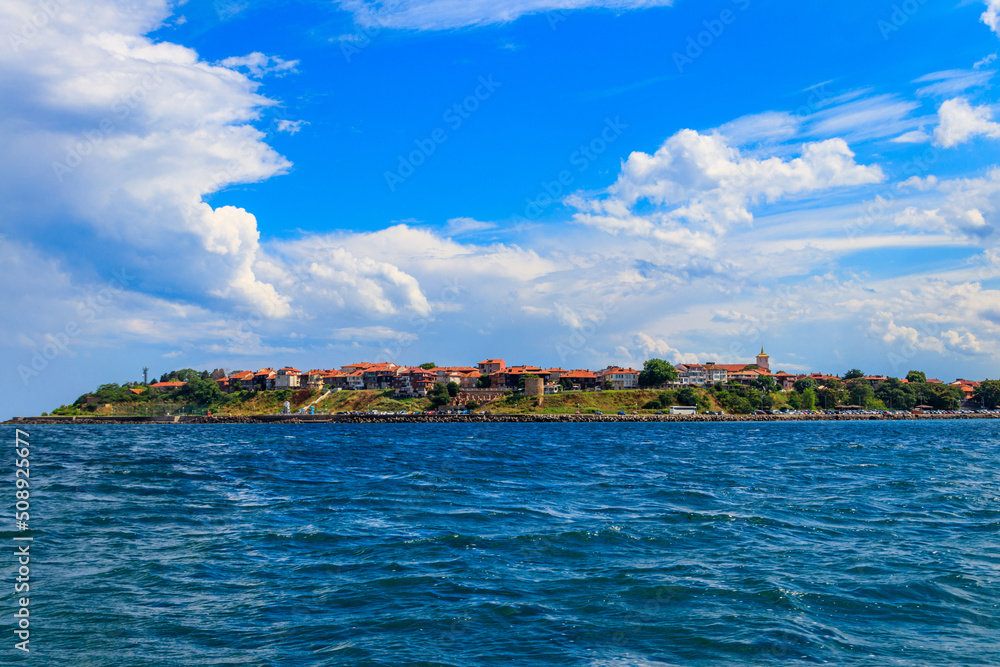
592 544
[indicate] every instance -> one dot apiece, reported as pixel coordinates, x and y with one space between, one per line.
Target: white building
288 378
620 378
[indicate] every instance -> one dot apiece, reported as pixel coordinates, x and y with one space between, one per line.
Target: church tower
763 361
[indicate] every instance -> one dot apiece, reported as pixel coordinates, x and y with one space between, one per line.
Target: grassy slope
608 402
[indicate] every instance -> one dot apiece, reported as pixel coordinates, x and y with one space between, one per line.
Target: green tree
656 372
184 375
916 376
862 394
200 392
896 395
940 396
428 366
808 399
830 398
566 383
663 401
471 405
853 374
438 395
765 384
687 397
805 383
484 382
988 393
453 389
740 406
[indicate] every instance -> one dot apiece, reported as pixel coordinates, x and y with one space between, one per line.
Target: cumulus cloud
445 14
116 141
698 186
650 346
960 121
991 16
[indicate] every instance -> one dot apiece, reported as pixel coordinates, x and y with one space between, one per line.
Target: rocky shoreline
474 419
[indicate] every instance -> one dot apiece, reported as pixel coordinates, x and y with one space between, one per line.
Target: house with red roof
582 379
491 366
166 386
414 382
264 379
620 378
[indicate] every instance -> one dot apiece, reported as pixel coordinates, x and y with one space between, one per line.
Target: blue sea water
856 543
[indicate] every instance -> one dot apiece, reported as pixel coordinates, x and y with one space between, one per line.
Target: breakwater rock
477 419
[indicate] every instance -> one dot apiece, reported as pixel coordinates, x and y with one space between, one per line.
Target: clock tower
763 361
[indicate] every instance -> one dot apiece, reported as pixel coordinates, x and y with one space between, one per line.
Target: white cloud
913 137
991 16
962 343
445 14
948 83
699 186
960 122
459 226
985 62
290 126
764 127
650 346
118 138
862 118
376 333
259 65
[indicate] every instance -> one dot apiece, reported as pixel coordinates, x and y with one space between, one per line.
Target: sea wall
474 419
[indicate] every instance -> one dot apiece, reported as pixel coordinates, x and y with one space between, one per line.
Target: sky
576 183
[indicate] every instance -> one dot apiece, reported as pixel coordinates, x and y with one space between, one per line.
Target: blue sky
575 183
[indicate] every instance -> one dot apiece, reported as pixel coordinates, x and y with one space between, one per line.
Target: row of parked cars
874 412
411 412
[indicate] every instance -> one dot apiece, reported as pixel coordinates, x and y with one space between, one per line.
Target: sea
842 543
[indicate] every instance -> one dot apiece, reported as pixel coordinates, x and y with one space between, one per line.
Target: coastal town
490 379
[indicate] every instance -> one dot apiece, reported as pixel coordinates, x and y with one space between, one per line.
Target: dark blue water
581 544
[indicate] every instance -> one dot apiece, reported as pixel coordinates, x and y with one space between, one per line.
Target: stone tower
764 361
